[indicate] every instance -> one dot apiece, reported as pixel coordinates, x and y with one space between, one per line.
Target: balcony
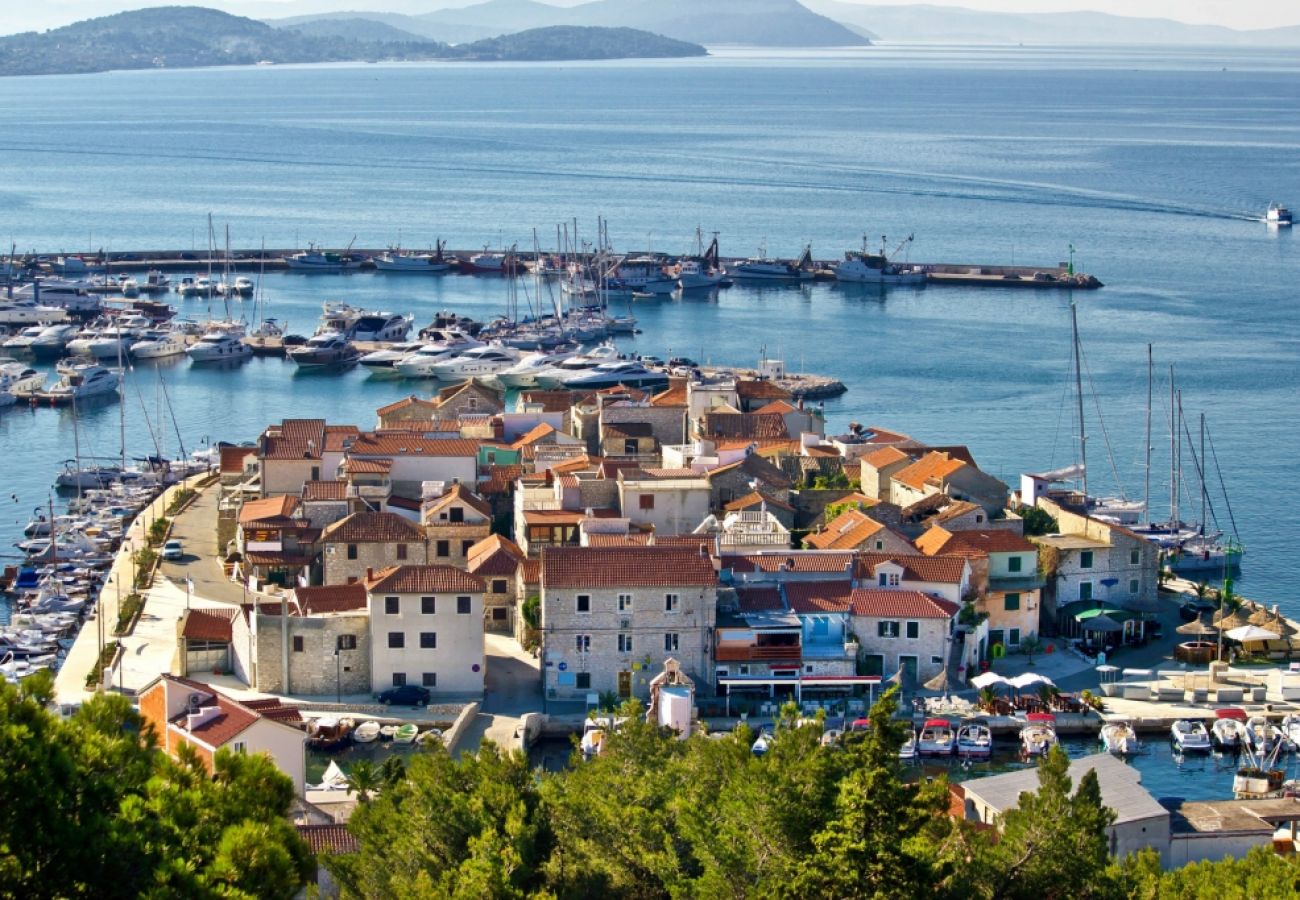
758 653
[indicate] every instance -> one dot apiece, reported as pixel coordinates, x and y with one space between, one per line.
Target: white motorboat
620 373
1038 736
479 362
21 312
23 379
23 340
242 286
1290 729
1229 729
366 732
937 738
80 380
420 364
907 752
330 349
762 743
523 374
381 326
557 374
1118 737
410 263
187 287
111 343
864 267
1261 736
761 268
316 260
53 340
130 288
1190 736
7 396
974 740
1278 215
70 296
222 342
389 357
159 343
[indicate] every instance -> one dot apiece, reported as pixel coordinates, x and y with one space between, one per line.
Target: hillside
358 29
497 17
416 25
560 42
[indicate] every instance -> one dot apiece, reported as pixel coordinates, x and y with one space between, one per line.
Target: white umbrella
1251 633
987 679
1028 679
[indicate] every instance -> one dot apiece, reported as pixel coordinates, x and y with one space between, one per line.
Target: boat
130 288
623 372
380 326
1278 215
159 343
556 375
1190 736
53 340
388 357
405 734
314 259
81 380
420 364
652 275
478 362
1229 729
221 343
324 350
1261 736
864 267
975 740
329 734
395 260
1118 737
23 379
523 374
937 738
489 262
907 752
1038 735
22 341
762 743
20 312
366 732
333 780
761 268
70 296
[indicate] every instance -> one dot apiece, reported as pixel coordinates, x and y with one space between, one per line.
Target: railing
757 653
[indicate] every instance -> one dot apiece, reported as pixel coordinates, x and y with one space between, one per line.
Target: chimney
370 574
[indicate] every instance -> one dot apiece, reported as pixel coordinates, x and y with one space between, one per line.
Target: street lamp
338 674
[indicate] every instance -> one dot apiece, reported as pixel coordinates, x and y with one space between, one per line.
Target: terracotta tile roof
500 479
580 463
759 599
472 386
233 458
765 446
330 598
398 444
354 466
761 389
406 403
233 717
549 401
654 474
993 540
494 555
424 580
956 509
934 569
675 395
324 490
847 531
464 496
373 528
208 624
790 561
818 596
531 571
634 539
336 436
877 603
328 840
588 567
885 456
780 407
932 468
745 425
294 439
278 558
933 540
754 465
269 509
553 516
395 501
533 435
270 708
757 498
824 452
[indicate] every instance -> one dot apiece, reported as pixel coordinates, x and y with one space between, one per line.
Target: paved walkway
196 529
514 687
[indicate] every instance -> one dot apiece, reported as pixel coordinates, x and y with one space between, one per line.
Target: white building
671 501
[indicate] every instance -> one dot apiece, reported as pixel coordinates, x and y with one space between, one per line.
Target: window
1011 602
498 585
630 447
462 606
465 547
352 551
1085 559
456 515
887 629
625 643
880 545
315 473
392 606
624 602
646 501
582 643
1135 557
882 579
936 660
671 602
498 614
979 518
1013 637
670 642
428 640
744 669
297 643
239 746
1085 590
429 679
582 681
584 603
396 640
1133 586
346 642
1014 564
443 548
913 630
399 679
428 606
401 551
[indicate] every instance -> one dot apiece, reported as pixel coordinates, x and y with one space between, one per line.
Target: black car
406 695
1193 608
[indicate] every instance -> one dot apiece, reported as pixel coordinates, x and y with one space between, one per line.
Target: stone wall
338 569
667 423
313 670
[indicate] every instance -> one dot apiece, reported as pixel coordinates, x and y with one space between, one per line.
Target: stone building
369 541
496 559
300 450
453 523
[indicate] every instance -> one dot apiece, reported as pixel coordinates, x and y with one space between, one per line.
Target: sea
1150 168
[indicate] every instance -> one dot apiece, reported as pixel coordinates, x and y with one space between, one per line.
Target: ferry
1278 215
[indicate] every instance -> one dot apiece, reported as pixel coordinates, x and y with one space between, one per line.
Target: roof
405 403
932 468
549 401
589 567
757 498
654 474
383 443
955 509
278 558
761 389
267 509
780 407
304 439
822 452
458 493
233 459
531 571
424 580
758 599
1070 542
354 466
324 490
989 540
472 386
500 479
745 425
553 516
759 468
885 456
328 840
934 569
329 598
627 539
789 561
208 624
1121 788
373 528
818 596
533 435
879 603
233 717
494 555
675 395
847 531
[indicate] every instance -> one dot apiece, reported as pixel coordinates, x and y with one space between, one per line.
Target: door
908 665
874 664
625 684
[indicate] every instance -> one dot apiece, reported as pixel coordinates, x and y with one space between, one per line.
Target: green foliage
145 560
179 499
126 612
96 673
531 610
365 779
1260 875
1031 646
1037 521
835 481
158 530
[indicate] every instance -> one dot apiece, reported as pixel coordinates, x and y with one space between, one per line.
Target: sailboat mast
1078 390
1146 489
1201 469
1173 454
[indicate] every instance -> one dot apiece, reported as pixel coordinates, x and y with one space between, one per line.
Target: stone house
413 459
629 440
854 529
469 397
496 559
410 409
427 628
940 472
744 476
760 501
611 616
300 450
948 577
325 502
903 629
665 421
369 541
877 469
453 523
276 545
669 501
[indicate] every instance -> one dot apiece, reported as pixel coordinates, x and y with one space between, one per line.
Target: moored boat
330 349
975 740
1190 736
937 738
1229 728
1118 737
1038 735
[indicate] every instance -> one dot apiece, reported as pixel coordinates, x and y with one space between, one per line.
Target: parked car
405 695
173 549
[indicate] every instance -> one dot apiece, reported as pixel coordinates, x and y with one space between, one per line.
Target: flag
896 678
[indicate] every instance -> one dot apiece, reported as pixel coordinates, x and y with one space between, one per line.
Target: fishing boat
1190 736
1038 735
329 734
975 740
314 259
937 738
406 733
366 732
407 263
489 263
1119 738
1278 215
762 268
1229 729
864 267
328 350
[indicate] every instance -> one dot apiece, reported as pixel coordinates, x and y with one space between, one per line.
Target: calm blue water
1151 163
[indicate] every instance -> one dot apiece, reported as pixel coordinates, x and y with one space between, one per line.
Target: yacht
70 296
316 260
7 396
937 738
1278 215
861 267
220 343
480 362
558 374
1038 736
761 268
53 340
390 356
381 326
23 340
328 349
411 263
523 374
130 288
23 379
624 373
24 311
159 343
420 363
975 740
187 286
80 380
112 342
241 286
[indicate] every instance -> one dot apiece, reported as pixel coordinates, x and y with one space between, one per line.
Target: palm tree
364 780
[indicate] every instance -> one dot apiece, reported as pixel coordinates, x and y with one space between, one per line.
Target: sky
1242 14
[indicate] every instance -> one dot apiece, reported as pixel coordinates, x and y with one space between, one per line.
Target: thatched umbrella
1226 621
1197 627
1265 618
938 682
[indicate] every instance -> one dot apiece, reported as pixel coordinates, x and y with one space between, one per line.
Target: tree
364 779
1260 875
1037 521
1030 646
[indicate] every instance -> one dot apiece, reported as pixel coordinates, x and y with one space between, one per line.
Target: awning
804 680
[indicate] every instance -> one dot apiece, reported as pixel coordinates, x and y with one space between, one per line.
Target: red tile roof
655 474
424 580
634 539
886 604
790 561
404 403
818 596
549 401
994 540
233 459
757 498
932 468
780 407
330 598
328 840
934 569
494 555
847 531
590 567
531 571
458 493
759 599
885 456
675 395
745 425
393 444
278 558
325 490
533 435
304 438
208 624
761 389
275 509
500 479
373 528
354 466
233 718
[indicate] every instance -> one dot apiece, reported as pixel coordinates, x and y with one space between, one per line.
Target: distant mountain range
191 36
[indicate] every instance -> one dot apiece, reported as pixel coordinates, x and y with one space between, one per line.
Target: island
175 37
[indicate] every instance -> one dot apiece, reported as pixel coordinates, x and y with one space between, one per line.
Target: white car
173 550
